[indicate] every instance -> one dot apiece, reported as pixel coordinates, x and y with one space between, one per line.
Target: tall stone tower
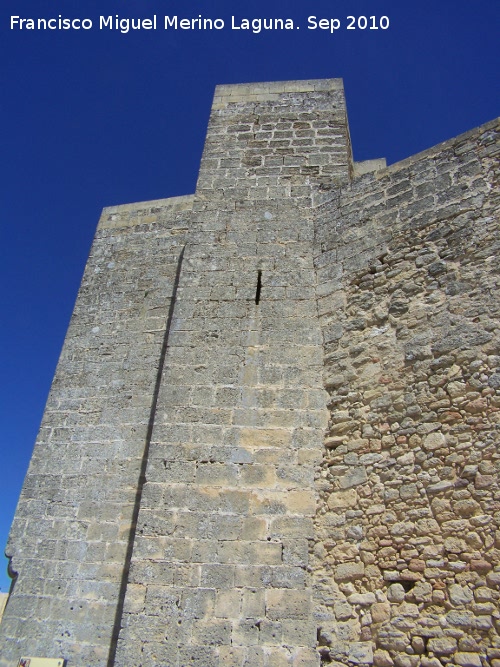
272 437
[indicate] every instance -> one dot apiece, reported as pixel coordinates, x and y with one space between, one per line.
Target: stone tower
272 437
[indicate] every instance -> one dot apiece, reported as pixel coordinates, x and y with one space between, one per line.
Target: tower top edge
238 92
178 202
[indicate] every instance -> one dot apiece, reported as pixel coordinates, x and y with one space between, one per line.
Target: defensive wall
272 437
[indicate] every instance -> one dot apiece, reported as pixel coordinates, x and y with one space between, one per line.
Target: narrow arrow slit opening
259 287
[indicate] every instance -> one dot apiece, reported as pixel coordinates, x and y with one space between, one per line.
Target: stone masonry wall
219 571
272 437
70 535
407 557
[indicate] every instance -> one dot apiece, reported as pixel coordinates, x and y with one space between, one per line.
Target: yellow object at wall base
41 662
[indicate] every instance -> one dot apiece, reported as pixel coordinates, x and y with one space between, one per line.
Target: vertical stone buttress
219 572
71 532
219 569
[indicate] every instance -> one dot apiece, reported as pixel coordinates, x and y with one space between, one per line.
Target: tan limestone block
265 553
134 600
254 605
339 499
268 502
231 656
227 604
309 456
254 528
301 502
265 437
258 475
305 657
287 603
277 657
349 571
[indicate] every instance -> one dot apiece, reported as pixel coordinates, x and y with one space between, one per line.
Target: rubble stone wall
407 556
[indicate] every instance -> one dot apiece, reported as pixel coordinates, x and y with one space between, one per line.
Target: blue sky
92 118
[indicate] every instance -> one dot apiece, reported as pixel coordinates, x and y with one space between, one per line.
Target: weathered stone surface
396 593
361 653
460 595
431 420
349 571
381 612
406 660
442 645
468 659
362 598
382 658
343 499
434 441
290 379
493 579
430 662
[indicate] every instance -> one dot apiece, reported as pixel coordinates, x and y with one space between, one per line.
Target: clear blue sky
92 118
